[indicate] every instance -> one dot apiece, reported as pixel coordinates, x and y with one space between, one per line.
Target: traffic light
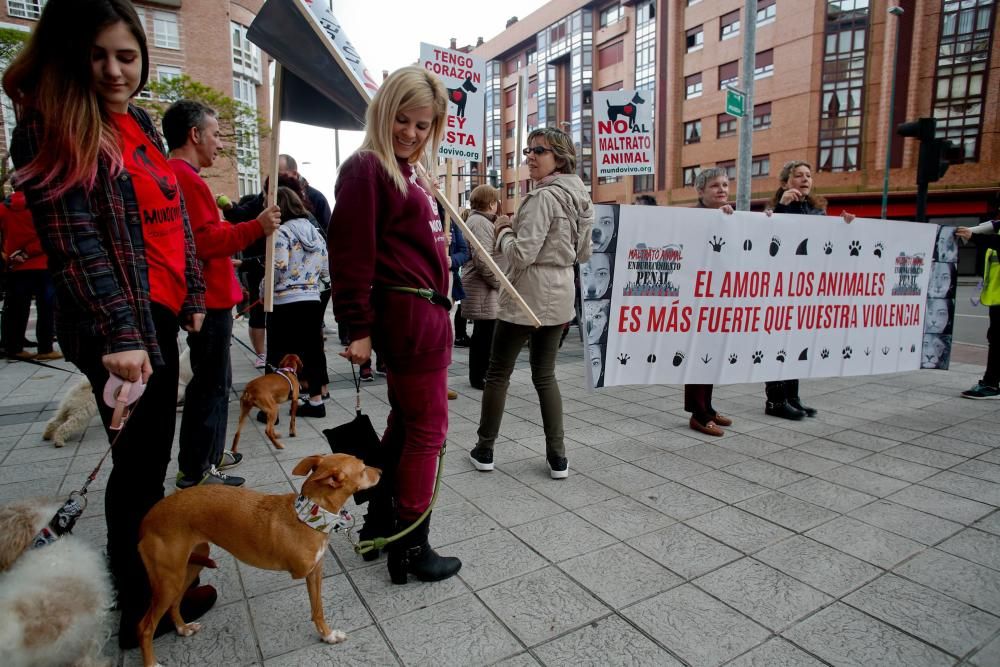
936 155
494 177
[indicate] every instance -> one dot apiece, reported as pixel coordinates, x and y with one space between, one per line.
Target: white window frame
245 54
166 31
25 9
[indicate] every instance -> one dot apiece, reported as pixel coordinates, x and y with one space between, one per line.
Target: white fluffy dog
55 600
78 406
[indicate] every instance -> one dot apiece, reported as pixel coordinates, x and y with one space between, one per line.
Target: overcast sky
387 34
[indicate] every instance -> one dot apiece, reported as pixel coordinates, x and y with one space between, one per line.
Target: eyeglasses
537 150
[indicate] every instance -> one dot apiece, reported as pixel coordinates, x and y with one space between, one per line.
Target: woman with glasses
548 235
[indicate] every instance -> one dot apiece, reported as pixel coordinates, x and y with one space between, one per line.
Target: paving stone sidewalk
867 536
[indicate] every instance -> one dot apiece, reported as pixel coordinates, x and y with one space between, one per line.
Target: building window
611 15
766 10
692 2
510 160
608 180
531 121
692 86
726 124
165 34
611 55
510 96
763 64
729 25
841 96
962 72
760 166
25 9
512 65
645 12
761 116
557 32
246 54
692 132
245 84
642 183
531 56
645 44
694 39
510 190
166 73
730 167
729 74
533 87
689 174
509 130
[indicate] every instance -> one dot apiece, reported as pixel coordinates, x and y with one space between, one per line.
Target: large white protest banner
623 131
685 295
464 76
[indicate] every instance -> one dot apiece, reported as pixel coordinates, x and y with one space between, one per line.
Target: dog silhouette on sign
629 110
459 96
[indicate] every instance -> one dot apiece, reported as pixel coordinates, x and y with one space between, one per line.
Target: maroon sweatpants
417 428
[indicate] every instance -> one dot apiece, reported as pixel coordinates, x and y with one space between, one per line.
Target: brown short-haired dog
274 532
269 391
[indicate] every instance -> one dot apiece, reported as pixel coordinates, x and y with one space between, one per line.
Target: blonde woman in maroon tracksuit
385 238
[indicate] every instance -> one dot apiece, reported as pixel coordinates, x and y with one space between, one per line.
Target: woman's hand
359 351
194 322
769 212
502 222
270 219
791 195
848 217
727 209
964 233
131 365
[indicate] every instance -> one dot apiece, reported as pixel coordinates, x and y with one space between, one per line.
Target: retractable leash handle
119 394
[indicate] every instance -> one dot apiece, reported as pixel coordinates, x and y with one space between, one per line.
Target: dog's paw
58 441
188 629
335 637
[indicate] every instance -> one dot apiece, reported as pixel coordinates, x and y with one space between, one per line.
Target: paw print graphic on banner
706 359
733 358
757 357
827 248
825 353
855 248
775 246
678 358
716 243
780 356
879 247
847 352
651 359
623 358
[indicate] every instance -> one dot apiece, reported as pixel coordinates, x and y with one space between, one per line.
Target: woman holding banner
794 195
549 234
387 242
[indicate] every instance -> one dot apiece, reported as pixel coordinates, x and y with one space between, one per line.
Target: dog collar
317 518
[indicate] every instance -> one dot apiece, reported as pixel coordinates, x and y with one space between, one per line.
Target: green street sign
735 103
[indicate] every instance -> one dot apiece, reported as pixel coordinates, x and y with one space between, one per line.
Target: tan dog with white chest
273 532
268 392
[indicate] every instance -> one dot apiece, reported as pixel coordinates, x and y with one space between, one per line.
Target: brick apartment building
205 39
820 70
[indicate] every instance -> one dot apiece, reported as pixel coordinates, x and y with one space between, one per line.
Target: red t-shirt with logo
159 202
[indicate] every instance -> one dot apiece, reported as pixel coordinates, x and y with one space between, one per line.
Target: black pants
296 328
461 331
698 401
22 287
206 399
780 391
992 374
479 351
139 459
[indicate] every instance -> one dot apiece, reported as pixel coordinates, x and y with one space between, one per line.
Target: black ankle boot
784 409
797 404
413 555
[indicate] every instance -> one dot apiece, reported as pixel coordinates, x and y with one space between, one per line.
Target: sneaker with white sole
259 361
229 460
981 391
558 467
212 476
482 458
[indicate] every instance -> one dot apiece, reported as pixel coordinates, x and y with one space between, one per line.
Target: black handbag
358 438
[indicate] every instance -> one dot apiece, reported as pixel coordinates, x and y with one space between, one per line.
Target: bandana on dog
317 518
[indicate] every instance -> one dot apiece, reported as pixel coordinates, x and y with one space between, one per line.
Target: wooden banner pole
272 189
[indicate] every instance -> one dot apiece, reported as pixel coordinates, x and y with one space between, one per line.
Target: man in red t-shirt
192 133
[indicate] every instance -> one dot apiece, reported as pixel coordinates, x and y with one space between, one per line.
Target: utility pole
746 122
895 12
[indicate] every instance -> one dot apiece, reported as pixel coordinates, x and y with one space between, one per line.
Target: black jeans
22 287
139 458
479 351
992 374
779 391
206 399
461 331
296 328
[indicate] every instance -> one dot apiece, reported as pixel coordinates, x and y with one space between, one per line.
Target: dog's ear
307 465
330 476
298 365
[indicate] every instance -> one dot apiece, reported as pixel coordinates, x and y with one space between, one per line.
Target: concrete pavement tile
764 473
619 575
775 653
669 441
677 501
607 418
740 530
979 469
363 647
924 456
818 565
223 640
542 604
696 627
458 522
282 619
591 435
627 449
846 637
672 467
624 517
684 551
898 468
814 427
975 545
226 577
837 451
937 619
257 582
21 490
727 488
889 431
967 487
952 445
519 660
584 459
970 432
712 456
627 427
784 510
992 456
562 536
386 600
863 480
920 526
990 524
574 492
803 462
457 632
54 469
782 436
773 599
989 655
748 445
826 494
940 504
625 477
518 505
495 557
609 640
46 452
866 542
475 484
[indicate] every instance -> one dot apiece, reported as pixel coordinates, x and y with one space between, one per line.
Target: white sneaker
259 362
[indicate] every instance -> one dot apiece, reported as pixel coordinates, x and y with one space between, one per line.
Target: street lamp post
897 12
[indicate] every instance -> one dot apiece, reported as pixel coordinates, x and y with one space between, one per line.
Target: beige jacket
480 284
550 233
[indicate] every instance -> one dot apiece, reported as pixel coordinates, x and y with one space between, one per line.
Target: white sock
316 401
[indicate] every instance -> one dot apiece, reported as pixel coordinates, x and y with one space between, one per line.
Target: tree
11 42
237 120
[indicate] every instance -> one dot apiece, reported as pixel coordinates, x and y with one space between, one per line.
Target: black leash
268 368
14 360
